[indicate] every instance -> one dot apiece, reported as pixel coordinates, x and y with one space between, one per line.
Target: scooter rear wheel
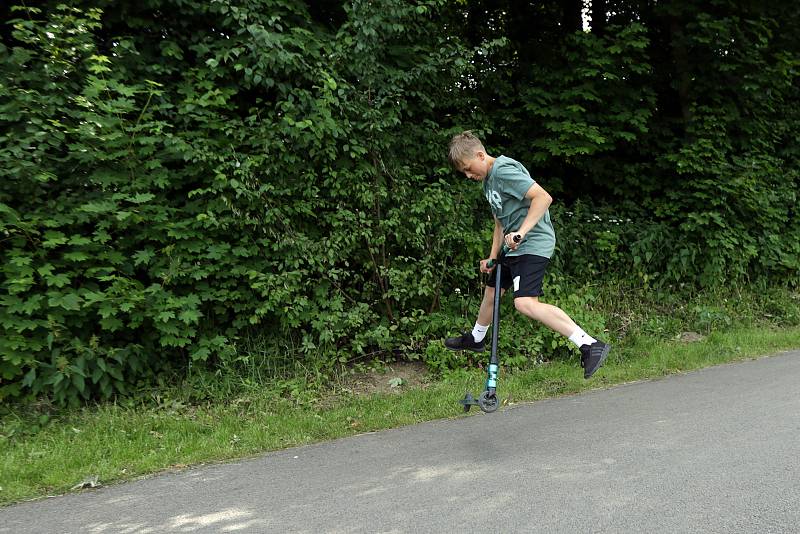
488 403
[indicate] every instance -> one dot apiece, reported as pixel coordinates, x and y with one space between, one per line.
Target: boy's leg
487 306
475 340
551 316
593 352
528 273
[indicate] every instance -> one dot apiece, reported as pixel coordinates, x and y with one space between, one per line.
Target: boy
520 208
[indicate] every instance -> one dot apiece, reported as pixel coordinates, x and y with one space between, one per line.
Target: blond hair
463 146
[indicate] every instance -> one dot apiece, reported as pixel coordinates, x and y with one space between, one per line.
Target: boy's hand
513 240
484 268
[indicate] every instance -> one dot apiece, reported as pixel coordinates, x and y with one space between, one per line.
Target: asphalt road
713 451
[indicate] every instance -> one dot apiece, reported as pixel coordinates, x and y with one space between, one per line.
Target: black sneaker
593 356
464 342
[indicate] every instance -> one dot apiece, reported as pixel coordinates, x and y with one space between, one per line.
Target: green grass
119 443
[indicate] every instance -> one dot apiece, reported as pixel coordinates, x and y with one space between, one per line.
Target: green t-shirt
505 189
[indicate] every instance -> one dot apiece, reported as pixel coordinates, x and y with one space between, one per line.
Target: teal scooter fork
488 401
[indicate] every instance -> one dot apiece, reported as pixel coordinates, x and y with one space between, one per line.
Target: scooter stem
491 381
488 401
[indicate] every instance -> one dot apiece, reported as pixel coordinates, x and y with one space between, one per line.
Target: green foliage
737 185
178 177
156 211
591 103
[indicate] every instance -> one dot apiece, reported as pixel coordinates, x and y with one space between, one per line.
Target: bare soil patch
393 378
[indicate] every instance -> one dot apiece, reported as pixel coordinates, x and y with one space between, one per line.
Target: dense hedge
177 175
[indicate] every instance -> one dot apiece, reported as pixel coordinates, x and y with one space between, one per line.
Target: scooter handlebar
503 251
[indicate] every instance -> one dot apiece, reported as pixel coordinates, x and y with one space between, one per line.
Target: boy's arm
540 201
497 239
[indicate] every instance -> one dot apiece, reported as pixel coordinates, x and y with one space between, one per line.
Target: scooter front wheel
488 403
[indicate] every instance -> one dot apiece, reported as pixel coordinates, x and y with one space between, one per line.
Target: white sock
580 338
479 332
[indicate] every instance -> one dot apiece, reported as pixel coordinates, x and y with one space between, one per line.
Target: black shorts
524 272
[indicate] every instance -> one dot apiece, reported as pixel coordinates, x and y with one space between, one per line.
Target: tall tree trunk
571 18
681 58
599 13
522 31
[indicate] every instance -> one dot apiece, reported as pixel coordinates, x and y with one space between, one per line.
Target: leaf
396 382
141 198
76 256
53 239
58 280
114 372
79 240
112 324
165 316
68 301
79 382
200 354
30 378
97 374
32 305
189 316
143 257
8 210
102 206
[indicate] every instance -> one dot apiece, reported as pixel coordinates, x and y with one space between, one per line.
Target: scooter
488 401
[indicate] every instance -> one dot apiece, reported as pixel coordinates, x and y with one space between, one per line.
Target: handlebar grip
491 263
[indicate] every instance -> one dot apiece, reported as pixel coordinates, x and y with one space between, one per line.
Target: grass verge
115 443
